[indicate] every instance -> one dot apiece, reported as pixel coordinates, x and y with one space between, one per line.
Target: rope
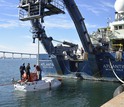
12 82
5 84
115 73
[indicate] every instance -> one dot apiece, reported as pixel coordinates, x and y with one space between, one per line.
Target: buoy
118 90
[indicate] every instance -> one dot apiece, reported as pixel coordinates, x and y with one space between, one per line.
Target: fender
118 90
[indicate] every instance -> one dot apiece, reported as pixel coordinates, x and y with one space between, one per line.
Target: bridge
12 55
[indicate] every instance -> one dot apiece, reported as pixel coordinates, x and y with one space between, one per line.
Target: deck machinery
35 11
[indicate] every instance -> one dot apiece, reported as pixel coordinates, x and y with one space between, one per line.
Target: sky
15 35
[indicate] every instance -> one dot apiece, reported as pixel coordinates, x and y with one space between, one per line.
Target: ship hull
103 62
85 68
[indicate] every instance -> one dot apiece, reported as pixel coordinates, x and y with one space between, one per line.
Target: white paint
119 6
45 83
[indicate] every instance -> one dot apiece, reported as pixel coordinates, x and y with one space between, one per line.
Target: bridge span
12 55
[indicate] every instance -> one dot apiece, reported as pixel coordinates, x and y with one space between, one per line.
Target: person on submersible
38 71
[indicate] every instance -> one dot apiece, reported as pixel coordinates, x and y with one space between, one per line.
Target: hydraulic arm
79 23
36 10
39 32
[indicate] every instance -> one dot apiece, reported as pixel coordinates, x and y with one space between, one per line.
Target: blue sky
15 35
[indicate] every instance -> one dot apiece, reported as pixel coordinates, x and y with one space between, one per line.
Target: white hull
45 83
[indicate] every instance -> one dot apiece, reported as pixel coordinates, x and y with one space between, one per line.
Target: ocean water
72 92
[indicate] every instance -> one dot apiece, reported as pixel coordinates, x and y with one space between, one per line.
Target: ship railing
28 11
58 4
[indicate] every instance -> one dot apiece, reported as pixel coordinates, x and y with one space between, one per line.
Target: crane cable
115 73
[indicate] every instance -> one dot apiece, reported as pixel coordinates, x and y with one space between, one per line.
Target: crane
35 11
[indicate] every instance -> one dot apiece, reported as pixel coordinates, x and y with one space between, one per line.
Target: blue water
72 93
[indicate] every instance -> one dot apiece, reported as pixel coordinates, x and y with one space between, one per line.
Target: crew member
27 69
118 55
38 71
21 72
23 66
82 51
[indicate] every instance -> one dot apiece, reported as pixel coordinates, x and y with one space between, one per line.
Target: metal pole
38 53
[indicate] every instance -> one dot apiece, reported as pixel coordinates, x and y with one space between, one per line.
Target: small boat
35 85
